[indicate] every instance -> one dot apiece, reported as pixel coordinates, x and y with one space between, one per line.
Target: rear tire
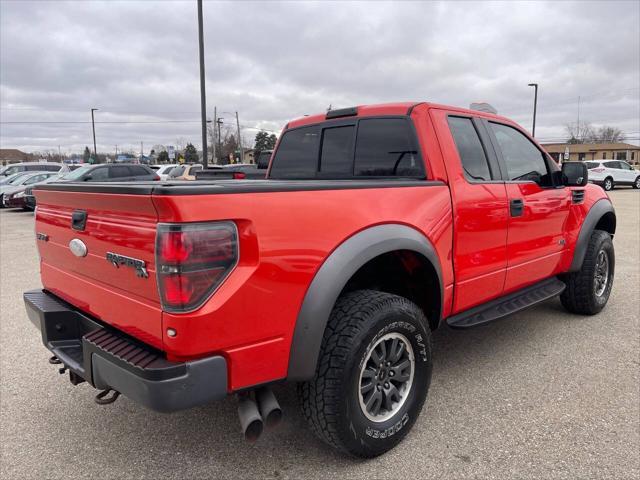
608 184
589 288
373 373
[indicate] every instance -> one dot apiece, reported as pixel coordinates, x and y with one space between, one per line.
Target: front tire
636 184
372 376
608 184
588 289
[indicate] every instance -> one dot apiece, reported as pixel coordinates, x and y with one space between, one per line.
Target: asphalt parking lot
543 394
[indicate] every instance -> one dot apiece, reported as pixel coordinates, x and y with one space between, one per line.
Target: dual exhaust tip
255 414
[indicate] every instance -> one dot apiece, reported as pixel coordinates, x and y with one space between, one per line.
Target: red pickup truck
376 225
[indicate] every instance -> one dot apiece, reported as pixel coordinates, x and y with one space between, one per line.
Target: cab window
472 155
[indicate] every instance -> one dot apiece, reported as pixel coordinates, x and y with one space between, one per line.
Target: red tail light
239 175
192 261
156 177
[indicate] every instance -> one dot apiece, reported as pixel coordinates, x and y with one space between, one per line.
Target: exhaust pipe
250 419
270 410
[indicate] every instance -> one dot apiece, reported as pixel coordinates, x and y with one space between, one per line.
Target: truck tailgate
118 229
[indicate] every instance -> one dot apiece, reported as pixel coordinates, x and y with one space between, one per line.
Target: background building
594 151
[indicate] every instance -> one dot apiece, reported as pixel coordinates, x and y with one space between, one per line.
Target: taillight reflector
192 261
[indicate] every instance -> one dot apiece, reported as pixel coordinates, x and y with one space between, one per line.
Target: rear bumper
106 358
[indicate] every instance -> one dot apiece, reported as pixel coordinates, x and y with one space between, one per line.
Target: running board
504 306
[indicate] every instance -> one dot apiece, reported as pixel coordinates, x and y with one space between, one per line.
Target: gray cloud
138 61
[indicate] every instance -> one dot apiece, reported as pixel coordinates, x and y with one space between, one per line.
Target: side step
504 306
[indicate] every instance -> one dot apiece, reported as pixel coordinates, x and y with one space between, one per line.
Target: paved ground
543 394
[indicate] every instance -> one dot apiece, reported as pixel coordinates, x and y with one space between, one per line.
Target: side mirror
575 174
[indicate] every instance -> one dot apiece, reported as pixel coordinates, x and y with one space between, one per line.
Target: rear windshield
591 164
367 147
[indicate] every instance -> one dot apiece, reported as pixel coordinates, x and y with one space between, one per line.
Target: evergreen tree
190 154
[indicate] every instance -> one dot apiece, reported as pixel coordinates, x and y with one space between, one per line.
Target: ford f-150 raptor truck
375 225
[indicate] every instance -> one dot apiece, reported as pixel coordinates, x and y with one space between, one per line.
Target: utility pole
59 154
93 126
218 123
239 140
535 108
116 157
203 96
141 152
214 136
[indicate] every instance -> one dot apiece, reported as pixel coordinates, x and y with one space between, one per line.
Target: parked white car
163 170
612 173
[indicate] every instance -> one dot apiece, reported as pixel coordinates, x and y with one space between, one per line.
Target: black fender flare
331 278
597 211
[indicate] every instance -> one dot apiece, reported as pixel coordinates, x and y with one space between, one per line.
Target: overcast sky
137 61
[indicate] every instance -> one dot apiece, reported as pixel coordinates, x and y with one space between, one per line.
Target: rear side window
385 148
336 154
591 164
177 171
99 174
119 171
52 168
472 156
195 168
297 154
523 160
138 170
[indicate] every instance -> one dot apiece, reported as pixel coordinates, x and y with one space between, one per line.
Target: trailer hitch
102 399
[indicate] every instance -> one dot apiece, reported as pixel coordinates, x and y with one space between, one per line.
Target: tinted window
336 156
591 164
612 165
138 170
195 168
472 156
297 154
99 174
119 171
523 160
177 171
263 160
385 147
51 168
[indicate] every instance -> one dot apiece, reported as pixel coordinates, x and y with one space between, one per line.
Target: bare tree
579 132
607 134
586 133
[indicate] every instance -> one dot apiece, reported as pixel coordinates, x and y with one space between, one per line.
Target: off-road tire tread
319 398
577 296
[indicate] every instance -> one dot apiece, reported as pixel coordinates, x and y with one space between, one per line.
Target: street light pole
93 126
535 108
203 97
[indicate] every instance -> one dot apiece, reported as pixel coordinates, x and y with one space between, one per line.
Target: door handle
516 207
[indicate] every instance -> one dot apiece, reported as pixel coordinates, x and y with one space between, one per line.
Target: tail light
239 175
597 169
192 261
156 177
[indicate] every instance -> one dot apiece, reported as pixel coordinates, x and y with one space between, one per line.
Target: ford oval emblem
78 248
